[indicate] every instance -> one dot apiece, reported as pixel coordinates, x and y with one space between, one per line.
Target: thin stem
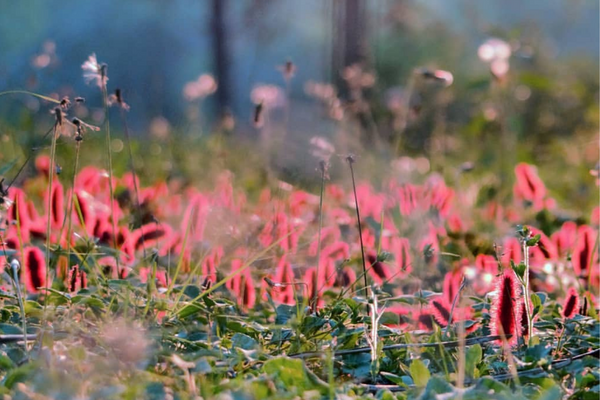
132 167
48 227
17 286
456 297
15 280
316 292
72 204
362 247
448 345
526 291
40 96
110 173
29 157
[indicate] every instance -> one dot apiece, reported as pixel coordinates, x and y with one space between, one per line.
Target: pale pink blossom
494 49
321 148
202 87
270 96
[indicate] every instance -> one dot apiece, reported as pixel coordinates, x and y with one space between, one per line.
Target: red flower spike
529 187
19 210
57 205
345 277
545 249
379 271
34 269
571 304
76 280
328 234
440 311
452 281
582 253
564 239
284 274
506 312
523 317
401 250
242 285
161 276
42 165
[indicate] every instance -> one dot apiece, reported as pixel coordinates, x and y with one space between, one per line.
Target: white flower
92 71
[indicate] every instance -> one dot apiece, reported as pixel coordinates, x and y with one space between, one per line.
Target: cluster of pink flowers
218 234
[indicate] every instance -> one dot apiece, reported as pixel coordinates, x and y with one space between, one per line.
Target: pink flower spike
571 304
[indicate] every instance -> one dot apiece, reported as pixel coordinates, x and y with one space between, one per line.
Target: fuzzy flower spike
505 307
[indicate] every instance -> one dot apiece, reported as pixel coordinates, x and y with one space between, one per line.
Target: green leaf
6 363
116 284
292 373
155 391
437 385
554 393
542 296
534 240
284 313
10 329
20 374
245 342
419 373
523 231
519 270
473 357
385 395
189 309
393 378
537 304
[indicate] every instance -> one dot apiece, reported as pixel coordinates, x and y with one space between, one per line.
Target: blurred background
455 81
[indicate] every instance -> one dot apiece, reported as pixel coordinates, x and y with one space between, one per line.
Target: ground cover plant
380 275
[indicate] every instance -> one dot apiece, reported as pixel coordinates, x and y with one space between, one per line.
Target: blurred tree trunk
349 36
221 54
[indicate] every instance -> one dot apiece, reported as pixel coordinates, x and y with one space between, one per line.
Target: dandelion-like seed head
288 70
117 99
65 103
81 127
93 72
321 148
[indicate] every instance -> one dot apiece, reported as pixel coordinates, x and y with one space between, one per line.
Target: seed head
65 103
94 72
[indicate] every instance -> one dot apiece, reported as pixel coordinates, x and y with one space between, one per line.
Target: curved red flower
506 312
34 269
571 304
